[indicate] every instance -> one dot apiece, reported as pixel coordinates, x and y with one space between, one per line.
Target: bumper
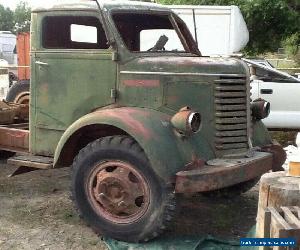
220 173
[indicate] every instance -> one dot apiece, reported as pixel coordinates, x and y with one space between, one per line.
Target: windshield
153 32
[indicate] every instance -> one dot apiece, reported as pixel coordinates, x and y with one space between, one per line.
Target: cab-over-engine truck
136 126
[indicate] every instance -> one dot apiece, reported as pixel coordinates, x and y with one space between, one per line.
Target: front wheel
117 192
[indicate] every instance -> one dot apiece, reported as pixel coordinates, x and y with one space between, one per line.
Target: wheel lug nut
101 196
121 203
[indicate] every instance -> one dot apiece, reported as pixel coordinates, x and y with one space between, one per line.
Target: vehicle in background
7 46
4 79
262 62
218 30
281 90
19 90
8 52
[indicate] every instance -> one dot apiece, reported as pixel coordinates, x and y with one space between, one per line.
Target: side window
73 32
141 31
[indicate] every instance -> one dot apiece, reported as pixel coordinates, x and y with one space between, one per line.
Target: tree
292 46
269 23
6 18
22 16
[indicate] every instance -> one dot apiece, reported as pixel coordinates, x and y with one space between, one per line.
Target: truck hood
181 65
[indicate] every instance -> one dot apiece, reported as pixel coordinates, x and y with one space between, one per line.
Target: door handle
41 63
266 91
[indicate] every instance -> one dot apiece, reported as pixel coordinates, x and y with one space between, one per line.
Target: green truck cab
137 124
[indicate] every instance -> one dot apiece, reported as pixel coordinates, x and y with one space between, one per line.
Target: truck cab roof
92 6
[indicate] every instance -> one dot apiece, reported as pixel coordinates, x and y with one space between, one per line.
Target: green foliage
17 21
6 19
269 21
292 46
22 18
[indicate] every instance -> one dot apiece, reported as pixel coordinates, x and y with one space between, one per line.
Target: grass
285 138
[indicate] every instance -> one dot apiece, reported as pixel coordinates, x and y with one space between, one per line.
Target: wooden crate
282 223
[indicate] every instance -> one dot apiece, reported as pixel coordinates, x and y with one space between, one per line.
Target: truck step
31 161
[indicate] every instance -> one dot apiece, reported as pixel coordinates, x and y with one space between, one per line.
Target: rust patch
44 94
16 140
141 83
126 115
279 155
172 99
210 178
118 192
194 164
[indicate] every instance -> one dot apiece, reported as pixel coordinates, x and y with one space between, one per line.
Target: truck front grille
231 111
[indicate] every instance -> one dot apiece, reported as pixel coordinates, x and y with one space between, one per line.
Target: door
74 74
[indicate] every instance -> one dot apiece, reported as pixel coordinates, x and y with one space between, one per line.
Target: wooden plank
29 164
279 219
267 224
290 217
31 161
297 210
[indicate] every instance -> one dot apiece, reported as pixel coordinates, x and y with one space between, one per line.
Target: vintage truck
136 126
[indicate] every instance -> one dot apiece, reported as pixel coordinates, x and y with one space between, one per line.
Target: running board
28 163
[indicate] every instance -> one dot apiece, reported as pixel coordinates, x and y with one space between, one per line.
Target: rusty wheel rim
118 192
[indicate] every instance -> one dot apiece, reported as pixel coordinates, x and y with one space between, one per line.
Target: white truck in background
4 79
7 46
8 61
218 30
281 90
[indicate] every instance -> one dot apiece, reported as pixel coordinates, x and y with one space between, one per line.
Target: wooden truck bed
14 129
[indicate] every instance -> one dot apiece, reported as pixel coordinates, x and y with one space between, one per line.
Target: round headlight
260 109
194 122
186 121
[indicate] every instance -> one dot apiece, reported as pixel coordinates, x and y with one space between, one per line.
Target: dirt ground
36 213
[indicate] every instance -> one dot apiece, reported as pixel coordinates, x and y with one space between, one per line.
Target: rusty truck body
136 126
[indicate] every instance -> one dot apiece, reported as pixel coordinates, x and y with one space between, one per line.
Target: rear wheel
19 92
117 192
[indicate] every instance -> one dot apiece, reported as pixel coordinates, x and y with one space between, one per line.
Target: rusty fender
262 139
223 173
150 128
278 153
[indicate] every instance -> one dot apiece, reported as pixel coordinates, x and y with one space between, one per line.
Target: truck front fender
150 128
260 134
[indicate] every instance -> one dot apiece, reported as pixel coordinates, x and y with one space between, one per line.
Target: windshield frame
187 40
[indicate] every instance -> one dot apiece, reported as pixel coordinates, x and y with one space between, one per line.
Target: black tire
12 78
233 191
161 201
17 89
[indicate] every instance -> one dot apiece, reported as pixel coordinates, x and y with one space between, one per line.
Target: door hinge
113 93
114 56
